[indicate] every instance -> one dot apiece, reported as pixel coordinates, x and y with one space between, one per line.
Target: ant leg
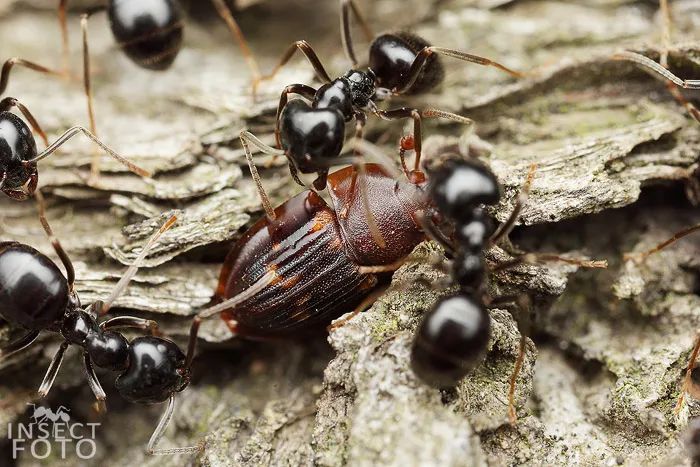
9 102
688 375
133 269
238 36
523 196
87 85
18 345
63 23
301 89
78 129
51 373
94 384
364 305
534 258
423 56
305 48
160 431
55 243
417 116
345 34
122 322
58 248
677 236
523 304
246 138
431 231
7 67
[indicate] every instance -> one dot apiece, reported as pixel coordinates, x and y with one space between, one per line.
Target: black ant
453 336
36 296
311 136
150 32
18 150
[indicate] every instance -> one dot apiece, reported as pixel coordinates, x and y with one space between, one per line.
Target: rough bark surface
614 153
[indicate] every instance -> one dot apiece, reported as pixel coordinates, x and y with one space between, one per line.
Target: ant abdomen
17 145
33 292
149 31
156 371
311 136
451 340
391 57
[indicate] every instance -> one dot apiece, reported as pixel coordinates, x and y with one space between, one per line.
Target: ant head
156 369
391 57
312 138
457 187
362 87
451 340
17 147
149 31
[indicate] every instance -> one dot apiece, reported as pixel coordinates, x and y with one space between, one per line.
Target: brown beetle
310 255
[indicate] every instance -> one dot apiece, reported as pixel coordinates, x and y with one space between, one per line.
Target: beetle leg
364 304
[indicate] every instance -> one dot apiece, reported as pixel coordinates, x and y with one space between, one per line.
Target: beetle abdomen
33 292
315 281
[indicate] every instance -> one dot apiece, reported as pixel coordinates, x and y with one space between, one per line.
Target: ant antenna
131 271
246 138
78 129
267 279
651 65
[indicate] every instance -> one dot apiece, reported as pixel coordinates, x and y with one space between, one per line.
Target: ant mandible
453 336
311 136
36 296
